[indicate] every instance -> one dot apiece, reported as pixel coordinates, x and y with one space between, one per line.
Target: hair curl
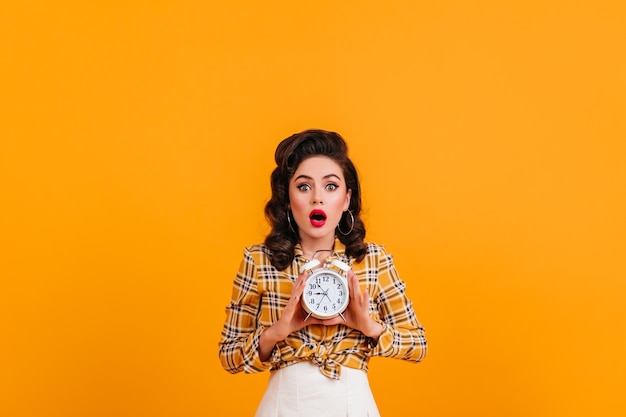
283 236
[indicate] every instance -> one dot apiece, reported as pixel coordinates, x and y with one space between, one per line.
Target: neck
318 249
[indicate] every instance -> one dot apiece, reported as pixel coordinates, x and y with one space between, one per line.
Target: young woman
318 365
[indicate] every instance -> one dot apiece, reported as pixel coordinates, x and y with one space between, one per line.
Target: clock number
325 294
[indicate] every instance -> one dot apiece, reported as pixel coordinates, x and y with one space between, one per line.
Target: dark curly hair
283 237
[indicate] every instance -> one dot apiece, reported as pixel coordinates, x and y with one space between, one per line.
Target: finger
366 301
302 275
333 321
298 287
313 320
353 282
352 275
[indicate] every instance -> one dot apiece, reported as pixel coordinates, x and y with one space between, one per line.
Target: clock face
325 294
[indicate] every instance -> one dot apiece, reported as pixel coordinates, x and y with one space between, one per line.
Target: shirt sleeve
403 336
239 343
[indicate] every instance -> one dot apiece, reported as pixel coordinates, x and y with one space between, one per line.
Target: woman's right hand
291 320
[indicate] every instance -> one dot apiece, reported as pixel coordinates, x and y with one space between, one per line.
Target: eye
331 186
303 187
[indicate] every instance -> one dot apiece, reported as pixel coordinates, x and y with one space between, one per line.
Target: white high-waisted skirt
301 390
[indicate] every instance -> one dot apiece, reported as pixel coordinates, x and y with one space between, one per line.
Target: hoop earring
289 221
351 225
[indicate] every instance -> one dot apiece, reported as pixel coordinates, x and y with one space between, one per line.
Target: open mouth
317 218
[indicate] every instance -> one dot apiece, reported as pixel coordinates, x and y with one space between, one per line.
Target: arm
291 319
402 336
238 346
247 344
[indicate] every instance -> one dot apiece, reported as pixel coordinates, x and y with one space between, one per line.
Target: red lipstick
317 218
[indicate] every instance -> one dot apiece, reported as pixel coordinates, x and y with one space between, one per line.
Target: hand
291 320
357 314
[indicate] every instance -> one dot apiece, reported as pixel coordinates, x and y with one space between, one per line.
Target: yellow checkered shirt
260 292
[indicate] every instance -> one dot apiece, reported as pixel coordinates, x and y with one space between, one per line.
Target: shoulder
257 248
376 249
257 253
376 253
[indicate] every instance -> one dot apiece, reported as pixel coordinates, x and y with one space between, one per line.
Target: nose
317 198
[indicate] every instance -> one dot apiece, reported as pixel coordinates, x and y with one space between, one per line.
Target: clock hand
326 294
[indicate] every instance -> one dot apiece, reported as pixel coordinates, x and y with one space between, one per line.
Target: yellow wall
136 144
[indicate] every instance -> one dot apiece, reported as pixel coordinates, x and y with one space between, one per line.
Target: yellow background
137 138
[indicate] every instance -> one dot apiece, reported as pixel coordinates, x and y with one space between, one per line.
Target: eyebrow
325 177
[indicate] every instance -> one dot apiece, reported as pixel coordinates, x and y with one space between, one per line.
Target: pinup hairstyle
283 237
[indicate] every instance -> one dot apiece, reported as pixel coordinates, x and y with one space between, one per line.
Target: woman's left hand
357 314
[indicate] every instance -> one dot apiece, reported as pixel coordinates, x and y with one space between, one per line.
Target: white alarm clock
326 292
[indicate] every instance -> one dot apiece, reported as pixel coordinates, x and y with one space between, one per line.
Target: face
318 197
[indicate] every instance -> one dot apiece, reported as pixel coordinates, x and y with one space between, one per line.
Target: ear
346 205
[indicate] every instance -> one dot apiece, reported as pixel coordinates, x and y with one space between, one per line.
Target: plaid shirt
260 292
